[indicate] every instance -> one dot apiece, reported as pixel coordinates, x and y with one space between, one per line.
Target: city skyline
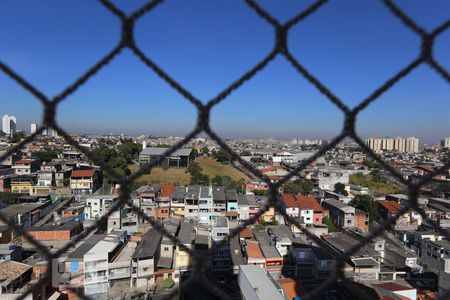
276 102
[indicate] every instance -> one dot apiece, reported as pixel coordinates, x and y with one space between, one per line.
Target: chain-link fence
203 125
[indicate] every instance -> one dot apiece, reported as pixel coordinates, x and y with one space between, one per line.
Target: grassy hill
179 176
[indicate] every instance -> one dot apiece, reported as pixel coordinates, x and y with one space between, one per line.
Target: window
166 248
145 269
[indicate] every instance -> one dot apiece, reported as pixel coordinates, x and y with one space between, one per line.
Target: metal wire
203 125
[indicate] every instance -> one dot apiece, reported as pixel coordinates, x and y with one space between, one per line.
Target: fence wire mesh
280 48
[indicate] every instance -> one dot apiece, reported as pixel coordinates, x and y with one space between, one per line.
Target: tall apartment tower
54 133
34 128
412 145
9 125
446 143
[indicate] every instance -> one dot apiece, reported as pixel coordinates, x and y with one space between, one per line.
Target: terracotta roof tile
253 250
167 190
290 201
308 202
83 173
391 206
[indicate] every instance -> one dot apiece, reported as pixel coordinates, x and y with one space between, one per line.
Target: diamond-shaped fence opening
280 48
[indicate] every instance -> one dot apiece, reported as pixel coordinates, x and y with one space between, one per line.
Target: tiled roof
253 250
308 202
391 206
246 233
167 190
83 173
289 201
393 287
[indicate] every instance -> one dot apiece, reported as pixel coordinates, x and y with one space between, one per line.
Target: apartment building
186 237
96 206
205 205
274 261
256 285
23 184
341 214
84 182
147 196
434 252
26 166
145 259
167 250
162 209
220 260
219 201
191 202
177 205
96 260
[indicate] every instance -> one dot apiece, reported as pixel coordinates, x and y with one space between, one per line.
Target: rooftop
160 151
10 270
260 283
83 173
87 245
391 206
148 245
253 250
185 234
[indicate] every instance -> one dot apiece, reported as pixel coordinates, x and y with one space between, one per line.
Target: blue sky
351 46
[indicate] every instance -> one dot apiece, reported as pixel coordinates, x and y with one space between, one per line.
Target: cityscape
200 194
241 150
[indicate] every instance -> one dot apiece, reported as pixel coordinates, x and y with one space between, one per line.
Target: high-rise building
9 125
398 144
412 145
54 133
34 128
446 143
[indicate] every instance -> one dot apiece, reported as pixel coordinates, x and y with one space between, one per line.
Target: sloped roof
391 206
161 151
308 202
167 190
83 173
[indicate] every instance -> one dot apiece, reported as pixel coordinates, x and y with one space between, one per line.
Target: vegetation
340 189
46 154
118 158
228 182
376 182
207 166
299 186
222 156
263 224
9 198
18 136
199 179
193 168
331 226
367 204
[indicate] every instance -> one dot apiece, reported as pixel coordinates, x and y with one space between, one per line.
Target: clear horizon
351 53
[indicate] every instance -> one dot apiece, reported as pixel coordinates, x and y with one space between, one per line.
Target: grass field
179 176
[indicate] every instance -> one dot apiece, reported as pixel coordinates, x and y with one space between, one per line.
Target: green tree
46 154
8 198
246 153
340 189
205 150
367 204
331 226
222 156
193 168
199 179
299 186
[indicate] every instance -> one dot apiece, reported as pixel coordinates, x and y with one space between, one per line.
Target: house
220 259
54 236
341 214
162 209
191 202
232 203
219 201
26 166
361 220
124 219
291 205
10 252
327 179
205 205
147 195
95 206
167 252
84 182
274 261
177 202
145 259
256 285
310 210
254 254
23 184
96 262
389 209
186 238
13 276
282 238
180 158
434 252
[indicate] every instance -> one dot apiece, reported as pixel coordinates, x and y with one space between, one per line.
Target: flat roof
365 262
19 209
87 245
161 151
205 192
337 204
260 282
179 192
185 234
10 270
235 250
219 193
149 243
